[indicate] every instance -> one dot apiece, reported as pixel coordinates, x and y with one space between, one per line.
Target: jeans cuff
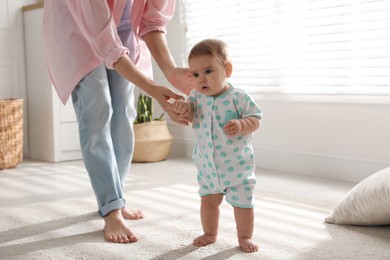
117 204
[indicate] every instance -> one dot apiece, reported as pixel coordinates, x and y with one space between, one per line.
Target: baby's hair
214 47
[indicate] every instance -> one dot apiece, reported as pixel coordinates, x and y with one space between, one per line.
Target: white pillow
367 204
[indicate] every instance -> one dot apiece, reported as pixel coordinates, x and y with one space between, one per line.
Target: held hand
163 95
179 119
177 116
233 127
182 80
180 107
184 109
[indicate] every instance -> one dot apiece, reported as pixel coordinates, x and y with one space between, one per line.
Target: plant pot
11 133
153 141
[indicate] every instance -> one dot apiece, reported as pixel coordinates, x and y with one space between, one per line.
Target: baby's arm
243 126
184 109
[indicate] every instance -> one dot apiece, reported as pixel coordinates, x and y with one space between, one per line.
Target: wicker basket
153 141
11 133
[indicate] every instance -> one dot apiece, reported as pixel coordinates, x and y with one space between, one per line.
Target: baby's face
209 74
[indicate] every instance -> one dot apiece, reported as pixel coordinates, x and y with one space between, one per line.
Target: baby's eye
208 71
195 75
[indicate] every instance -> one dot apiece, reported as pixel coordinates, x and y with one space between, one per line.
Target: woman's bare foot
204 240
116 229
132 215
248 245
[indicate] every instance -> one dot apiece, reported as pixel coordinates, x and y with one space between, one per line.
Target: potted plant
152 139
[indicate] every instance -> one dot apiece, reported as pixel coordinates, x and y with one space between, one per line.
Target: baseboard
320 165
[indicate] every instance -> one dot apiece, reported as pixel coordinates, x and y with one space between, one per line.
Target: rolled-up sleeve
156 15
97 25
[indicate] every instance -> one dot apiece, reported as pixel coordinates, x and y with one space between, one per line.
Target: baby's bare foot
248 245
116 229
129 214
204 240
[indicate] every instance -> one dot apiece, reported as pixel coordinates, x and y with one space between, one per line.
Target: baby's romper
225 163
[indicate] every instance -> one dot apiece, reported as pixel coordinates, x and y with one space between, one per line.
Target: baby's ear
228 69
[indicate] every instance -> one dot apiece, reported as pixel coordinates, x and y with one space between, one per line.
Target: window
304 45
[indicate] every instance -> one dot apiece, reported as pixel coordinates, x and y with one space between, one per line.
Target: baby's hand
180 107
184 109
233 127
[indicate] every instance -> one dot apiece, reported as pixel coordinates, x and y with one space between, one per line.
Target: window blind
309 44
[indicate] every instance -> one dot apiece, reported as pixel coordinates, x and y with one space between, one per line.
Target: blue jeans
104 105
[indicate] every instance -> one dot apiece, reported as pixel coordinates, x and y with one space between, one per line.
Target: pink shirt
80 35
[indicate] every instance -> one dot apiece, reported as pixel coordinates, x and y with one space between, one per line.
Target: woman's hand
163 95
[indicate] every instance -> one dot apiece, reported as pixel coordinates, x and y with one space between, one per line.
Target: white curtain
304 45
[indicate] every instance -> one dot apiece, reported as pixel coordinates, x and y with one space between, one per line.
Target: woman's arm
96 22
162 94
180 78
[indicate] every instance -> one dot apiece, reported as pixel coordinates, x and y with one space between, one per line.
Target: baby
223 119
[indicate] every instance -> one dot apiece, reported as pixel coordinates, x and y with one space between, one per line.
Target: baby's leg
209 214
245 224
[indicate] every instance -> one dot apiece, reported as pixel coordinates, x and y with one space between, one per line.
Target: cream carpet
68 228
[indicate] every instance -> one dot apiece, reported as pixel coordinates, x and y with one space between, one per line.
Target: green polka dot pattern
225 163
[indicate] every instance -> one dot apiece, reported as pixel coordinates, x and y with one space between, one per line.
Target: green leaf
145 110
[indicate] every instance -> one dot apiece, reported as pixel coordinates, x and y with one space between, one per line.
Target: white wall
12 58
335 136
344 140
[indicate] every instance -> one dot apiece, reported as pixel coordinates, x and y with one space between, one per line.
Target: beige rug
286 228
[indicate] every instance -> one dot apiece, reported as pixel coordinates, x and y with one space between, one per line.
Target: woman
96 52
